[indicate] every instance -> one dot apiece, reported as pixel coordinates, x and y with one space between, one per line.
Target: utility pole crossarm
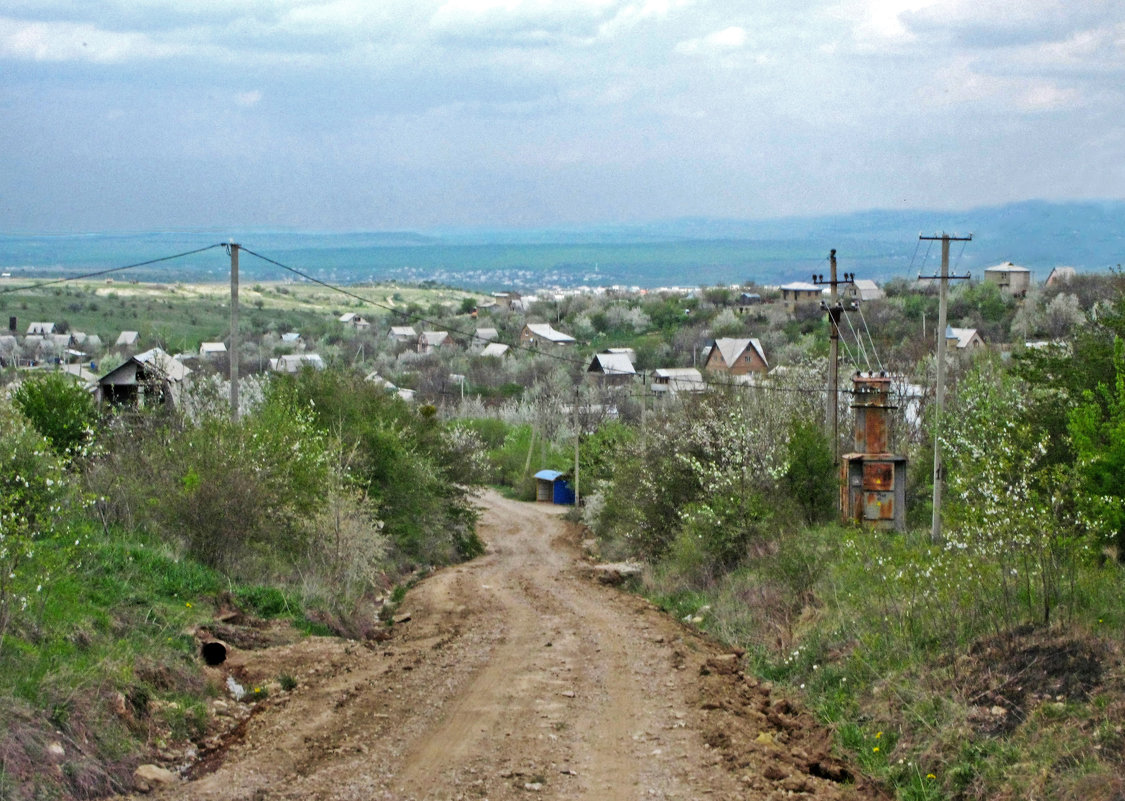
835 311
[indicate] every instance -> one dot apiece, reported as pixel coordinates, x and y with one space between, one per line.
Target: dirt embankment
516 677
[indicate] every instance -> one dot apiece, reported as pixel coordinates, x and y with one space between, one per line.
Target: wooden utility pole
232 248
939 393
577 437
835 310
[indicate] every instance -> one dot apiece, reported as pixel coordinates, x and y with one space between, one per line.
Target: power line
468 335
110 270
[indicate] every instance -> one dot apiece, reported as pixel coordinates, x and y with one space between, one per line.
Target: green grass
116 624
904 679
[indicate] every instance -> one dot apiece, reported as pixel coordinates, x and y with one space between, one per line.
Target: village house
746 302
1061 275
41 329
404 334
672 380
212 350
127 339
863 290
148 378
295 362
537 334
354 320
429 341
611 370
483 336
292 338
1011 278
966 339
736 356
800 292
496 350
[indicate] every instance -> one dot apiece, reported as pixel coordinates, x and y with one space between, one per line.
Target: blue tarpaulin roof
549 475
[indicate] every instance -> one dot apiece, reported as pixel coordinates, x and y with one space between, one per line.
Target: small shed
551 486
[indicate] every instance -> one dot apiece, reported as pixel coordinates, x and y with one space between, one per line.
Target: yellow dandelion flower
188 604
878 734
875 749
930 776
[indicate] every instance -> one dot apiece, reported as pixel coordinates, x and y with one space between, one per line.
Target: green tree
811 474
59 409
1097 429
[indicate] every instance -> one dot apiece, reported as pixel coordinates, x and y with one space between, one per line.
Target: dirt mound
1006 677
775 748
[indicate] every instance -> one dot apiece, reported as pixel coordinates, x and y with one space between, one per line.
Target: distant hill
880 244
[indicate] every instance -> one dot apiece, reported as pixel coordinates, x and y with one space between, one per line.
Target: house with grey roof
535 334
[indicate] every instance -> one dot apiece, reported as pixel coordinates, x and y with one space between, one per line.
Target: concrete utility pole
232 248
835 310
939 393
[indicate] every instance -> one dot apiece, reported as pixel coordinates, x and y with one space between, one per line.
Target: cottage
212 350
736 356
292 338
127 339
495 349
967 339
800 292
1011 278
863 290
483 336
671 380
429 341
611 370
354 320
152 377
295 362
403 333
746 302
536 334
1061 275
505 298
41 329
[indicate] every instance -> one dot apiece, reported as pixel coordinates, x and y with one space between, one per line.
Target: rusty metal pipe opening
214 652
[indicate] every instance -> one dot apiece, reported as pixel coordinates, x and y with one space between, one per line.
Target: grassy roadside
933 700
106 671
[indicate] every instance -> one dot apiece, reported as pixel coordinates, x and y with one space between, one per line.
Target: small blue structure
551 487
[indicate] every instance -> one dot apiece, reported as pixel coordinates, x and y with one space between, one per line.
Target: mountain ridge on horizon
1088 235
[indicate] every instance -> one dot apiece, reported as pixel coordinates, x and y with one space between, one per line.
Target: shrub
59 409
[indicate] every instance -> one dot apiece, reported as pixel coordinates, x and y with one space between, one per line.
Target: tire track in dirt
518 677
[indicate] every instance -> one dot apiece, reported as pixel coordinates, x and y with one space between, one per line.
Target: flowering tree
1012 515
33 488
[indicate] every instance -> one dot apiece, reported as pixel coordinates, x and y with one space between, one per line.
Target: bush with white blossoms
33 493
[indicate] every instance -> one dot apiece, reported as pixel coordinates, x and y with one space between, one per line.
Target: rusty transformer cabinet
872 479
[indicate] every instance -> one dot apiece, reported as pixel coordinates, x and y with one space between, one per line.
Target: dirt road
518 676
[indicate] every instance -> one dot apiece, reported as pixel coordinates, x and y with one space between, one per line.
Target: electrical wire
469 335
713 379
858 341
874 351
99 273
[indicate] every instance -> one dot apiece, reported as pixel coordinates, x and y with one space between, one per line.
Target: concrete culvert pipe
214 652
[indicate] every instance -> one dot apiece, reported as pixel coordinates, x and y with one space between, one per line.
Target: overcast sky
412 114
